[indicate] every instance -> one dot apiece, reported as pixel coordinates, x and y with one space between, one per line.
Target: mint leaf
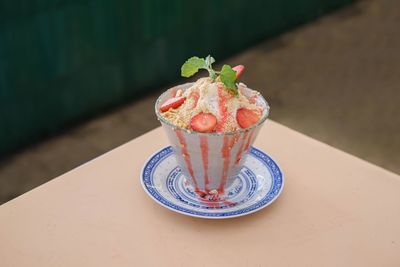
228 78
192 66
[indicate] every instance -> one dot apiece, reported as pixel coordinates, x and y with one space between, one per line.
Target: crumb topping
205 96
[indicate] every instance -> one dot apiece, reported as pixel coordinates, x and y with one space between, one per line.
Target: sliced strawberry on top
246 117
239 70
174 102
203 122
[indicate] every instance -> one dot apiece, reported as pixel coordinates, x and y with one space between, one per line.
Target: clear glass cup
209 161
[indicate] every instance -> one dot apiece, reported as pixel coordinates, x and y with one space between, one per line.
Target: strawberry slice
239 70
246 117
203 122
174 102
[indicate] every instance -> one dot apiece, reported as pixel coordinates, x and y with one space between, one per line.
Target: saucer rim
203 216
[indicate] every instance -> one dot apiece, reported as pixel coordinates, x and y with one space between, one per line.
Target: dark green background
61 60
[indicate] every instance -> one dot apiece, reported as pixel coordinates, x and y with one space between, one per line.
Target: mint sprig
227 74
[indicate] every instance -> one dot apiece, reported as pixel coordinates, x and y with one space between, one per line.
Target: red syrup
223 110
240 151
216 201
204 156
186 156
206 197
225 151
195 96
235 139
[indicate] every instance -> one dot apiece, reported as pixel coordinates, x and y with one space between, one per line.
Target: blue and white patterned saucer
257 185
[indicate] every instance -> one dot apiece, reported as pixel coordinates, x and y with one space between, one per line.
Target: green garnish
228 77
227 74
192 66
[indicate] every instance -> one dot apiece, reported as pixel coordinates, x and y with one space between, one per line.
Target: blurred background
80 77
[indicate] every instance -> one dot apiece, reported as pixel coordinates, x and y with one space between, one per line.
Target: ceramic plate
257 185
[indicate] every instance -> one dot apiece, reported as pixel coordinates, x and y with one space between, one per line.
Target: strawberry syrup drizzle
226 156
218 203
223 110
186 156
204 156
235 139
240 151
195 96
216 200
212 201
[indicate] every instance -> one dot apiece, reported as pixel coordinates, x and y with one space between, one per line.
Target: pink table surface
335 210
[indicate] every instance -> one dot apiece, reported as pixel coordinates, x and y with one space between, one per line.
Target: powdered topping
206 96
216 100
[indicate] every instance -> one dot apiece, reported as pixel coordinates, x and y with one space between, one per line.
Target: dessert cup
210 161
